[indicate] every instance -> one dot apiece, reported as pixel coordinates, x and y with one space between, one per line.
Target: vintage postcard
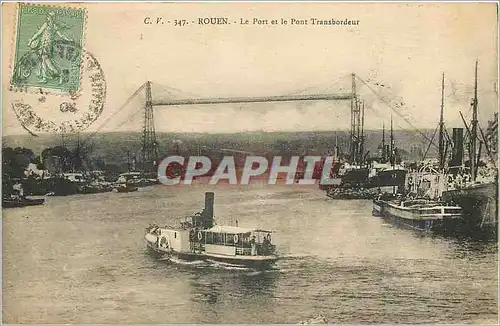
250 163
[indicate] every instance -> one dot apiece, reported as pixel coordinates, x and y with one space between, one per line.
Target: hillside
113 147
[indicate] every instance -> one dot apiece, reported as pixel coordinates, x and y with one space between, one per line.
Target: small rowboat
21 202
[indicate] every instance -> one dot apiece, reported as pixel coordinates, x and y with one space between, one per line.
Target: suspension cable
397 112
428 147
115 112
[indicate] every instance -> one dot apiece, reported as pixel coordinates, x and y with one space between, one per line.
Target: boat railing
437 210
266 249
243 251
260 249
197 246
430 210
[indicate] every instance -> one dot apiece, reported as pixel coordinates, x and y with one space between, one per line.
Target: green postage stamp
42 59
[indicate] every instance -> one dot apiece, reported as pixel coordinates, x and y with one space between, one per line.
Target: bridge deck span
283 98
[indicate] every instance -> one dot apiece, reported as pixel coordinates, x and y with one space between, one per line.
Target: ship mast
441 129
358 134
336 150
128 159
383 143
472 154
354 146
362 147
392 158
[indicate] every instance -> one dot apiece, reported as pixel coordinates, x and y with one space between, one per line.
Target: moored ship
387 171
420 214
385 175
199 239
354 176
417 204
475 188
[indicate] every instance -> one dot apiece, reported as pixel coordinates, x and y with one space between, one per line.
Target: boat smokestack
209 203
387 152
208 212
458 147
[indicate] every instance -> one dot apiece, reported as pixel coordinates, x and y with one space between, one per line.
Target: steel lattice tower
355 125
149 144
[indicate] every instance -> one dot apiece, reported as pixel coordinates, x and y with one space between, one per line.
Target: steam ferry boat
198 238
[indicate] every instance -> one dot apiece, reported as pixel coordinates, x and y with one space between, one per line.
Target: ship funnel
208 212
458 147
387 153
209 203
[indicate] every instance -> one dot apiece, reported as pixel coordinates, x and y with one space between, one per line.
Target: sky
400 50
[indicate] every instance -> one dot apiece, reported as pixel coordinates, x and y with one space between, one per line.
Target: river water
81 259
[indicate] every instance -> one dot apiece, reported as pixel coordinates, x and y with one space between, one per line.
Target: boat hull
355 178
188 257
389 178
13 203
437 223
252 262
479 204
377 209
126 189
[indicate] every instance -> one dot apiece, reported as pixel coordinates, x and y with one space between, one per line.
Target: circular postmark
59 90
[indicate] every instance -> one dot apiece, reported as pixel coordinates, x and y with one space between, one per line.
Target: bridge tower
149 144
355 134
